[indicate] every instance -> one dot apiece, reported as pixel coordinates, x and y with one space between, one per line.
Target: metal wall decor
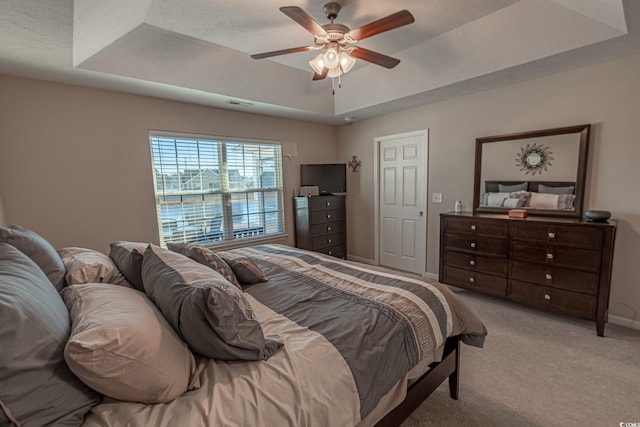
534 158
354 163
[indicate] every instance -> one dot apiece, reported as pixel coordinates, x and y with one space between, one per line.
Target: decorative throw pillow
207 311
36 386
556 190
123 347
128 258
513 203
38 249
496 199
206 257
247 272
90 266
505 188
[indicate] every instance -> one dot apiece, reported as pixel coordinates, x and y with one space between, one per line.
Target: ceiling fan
339 56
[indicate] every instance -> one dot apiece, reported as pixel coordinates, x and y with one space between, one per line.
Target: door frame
376 188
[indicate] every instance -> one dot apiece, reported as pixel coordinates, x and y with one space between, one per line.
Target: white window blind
210 190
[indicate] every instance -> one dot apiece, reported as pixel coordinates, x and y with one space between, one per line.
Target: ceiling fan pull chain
340 81
333 86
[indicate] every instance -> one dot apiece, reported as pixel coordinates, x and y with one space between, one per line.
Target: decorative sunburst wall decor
534 158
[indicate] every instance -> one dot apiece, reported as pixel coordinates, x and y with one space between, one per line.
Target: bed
556 195
356 346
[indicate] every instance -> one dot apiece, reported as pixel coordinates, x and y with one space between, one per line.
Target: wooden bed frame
418 391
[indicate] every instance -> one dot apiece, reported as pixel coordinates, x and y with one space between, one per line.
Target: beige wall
75 162
2 223
606 95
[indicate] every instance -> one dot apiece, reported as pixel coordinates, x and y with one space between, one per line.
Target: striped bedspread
382 323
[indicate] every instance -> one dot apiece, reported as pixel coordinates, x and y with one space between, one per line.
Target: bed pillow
513 203
247 272
556 190
90 266
122 346
551 201
496 199
38 249
37 388
504 188
206 257
207 311
128 258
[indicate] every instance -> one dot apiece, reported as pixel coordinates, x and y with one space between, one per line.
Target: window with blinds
209 190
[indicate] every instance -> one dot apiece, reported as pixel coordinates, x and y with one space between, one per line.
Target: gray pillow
38 249
128 258
37 388
247 272
206 257
209 313
511 188
555 190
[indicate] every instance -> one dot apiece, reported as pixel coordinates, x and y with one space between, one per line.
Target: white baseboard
361 259
433 276
623 321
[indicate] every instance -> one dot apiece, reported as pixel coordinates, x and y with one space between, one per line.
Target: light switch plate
437 198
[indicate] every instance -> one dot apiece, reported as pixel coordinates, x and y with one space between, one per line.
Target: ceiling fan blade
304 19
322 75
282 52
373 57
398 19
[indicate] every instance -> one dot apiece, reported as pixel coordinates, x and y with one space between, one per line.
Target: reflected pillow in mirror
493 199
515 187
551 201
513 203
555 190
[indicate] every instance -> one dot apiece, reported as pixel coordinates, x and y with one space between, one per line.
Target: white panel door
402 197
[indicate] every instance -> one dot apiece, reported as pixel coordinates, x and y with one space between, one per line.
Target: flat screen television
330 178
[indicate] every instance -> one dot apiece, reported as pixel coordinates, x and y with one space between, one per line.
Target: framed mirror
543 172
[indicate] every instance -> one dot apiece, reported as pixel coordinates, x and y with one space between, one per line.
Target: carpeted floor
540 369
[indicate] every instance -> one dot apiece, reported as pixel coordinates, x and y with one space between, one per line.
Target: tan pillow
206 257
122 347
90 266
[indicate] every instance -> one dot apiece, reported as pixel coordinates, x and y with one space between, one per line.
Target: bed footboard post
454 378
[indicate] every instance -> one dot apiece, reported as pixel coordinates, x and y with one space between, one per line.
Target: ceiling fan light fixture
331 58
334 72
346 62
317 63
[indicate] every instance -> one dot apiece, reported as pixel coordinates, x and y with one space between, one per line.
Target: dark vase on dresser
321 224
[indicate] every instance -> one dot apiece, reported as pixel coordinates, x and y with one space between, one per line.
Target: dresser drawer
497 266
477 226
564 278
557 234
559 256
337 251
322 217
326 203
327 228
479 245
474 280
557 299
328 240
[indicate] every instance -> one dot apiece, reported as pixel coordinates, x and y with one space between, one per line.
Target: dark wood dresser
555 264
321 224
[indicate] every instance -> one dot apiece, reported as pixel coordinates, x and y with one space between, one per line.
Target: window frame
230 236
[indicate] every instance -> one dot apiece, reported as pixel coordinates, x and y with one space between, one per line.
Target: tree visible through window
209 189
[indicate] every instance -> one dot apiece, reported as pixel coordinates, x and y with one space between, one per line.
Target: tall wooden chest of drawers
556 264
321 224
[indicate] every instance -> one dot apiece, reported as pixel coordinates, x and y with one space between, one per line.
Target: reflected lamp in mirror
547 178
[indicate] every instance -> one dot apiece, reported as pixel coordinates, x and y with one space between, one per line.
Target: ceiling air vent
239 103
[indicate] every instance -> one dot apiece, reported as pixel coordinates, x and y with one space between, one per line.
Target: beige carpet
540 369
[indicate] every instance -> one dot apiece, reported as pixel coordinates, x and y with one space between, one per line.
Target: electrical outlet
437 198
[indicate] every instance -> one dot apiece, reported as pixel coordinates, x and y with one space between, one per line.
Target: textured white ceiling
199 50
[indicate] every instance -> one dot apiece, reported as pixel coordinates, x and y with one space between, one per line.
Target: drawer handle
328 228
330 253
473 228
328 203
549 256
472 280
473 244
547 297
548 276
472 262
328 216
328 240
552 235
